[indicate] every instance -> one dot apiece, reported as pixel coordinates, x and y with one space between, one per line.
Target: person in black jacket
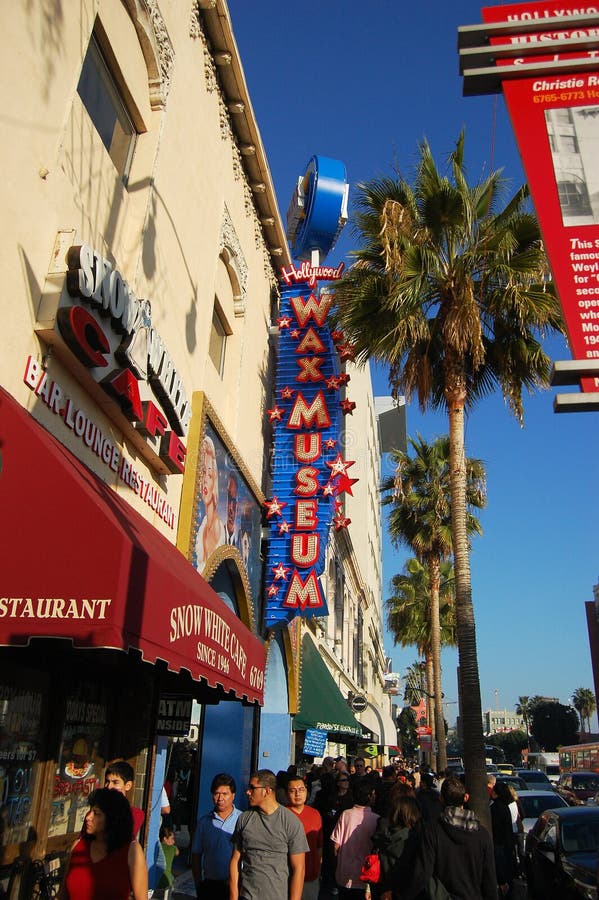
503 836
456 855
397 841
428 799
333 798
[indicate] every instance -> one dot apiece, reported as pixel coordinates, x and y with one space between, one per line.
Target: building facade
141 254
141 243
498 721
350 638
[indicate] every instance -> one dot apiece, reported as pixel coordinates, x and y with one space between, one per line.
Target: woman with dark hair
397 841
105 863
503 837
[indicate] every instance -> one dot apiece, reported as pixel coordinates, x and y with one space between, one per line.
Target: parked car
505 768
532 803
535 780
514 781
578 787
561 854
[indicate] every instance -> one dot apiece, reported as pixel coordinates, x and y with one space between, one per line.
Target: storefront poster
81 758
556 124
20 733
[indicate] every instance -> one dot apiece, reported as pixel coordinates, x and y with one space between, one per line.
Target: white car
533 803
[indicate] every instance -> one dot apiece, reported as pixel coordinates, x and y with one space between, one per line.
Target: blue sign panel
318 209
309 472
315 742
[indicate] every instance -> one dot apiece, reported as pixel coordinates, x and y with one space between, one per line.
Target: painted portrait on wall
226 511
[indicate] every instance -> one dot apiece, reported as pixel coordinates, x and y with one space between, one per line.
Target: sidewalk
184 888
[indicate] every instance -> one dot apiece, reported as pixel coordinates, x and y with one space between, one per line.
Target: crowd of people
310 837
340 831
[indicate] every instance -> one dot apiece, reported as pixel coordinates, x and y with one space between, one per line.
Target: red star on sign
329 489
286 393
275 414
347 407
346 351
284 527
295 333
344 378
273 590
333 383
283 321
345 485
329 444
280 572
339 466
274 507
336 336
341 522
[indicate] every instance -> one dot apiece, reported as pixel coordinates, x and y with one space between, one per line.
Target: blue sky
364 83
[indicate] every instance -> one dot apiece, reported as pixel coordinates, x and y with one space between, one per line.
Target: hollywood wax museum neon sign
310 474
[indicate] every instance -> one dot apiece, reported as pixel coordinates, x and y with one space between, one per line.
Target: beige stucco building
141 244
351 637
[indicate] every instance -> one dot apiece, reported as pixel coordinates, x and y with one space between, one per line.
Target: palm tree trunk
430 705
471 710
434 576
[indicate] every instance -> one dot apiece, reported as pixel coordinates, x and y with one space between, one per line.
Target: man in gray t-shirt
269 846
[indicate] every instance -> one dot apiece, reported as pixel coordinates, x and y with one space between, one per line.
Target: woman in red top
105 863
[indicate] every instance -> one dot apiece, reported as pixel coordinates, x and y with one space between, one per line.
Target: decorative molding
244 590
228 135
230 242
196 32
159 88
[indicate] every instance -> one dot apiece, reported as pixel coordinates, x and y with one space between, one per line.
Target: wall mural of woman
226 511
211 532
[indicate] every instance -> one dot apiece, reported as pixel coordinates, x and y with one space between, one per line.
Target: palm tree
410 622
451 291
523 708
420 518
414 681
583 700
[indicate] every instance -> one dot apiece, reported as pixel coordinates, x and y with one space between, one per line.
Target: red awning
76 561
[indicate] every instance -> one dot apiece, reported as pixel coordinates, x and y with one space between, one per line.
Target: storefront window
81 757
20 736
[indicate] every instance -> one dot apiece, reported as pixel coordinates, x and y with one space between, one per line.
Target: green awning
321 703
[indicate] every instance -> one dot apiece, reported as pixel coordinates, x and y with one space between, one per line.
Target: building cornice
216 24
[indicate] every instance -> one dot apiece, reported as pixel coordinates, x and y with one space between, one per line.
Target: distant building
592 611
500 721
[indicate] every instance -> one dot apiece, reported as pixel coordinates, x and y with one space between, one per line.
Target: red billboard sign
556 124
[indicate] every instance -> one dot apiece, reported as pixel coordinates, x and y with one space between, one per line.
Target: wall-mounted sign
318 208
315 742
556 123
51 393
109 336
174 715
310 473
357 702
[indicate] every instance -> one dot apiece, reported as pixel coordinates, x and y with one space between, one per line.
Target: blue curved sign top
318 209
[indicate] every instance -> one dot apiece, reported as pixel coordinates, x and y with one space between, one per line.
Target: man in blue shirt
211 848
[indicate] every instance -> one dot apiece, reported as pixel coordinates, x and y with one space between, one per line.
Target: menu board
80 758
